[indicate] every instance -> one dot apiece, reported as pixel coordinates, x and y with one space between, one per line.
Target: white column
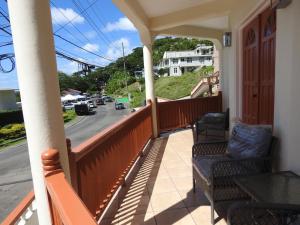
149 84
36 67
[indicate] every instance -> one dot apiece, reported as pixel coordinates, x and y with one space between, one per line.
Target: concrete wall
8 100
287 103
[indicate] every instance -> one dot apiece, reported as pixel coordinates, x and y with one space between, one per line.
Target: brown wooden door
267 66
259 69
251 72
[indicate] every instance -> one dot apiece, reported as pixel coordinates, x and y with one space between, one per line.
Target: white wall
287 80
8 100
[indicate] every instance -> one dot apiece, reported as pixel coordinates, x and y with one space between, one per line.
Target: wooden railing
18 215
181 113
99 165
65 205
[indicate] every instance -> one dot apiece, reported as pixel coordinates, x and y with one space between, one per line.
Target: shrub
11 117
69 115
12 131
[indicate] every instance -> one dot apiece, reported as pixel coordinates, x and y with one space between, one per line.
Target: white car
68 106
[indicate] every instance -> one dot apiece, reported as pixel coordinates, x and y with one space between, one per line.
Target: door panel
267 66
259 69
251 72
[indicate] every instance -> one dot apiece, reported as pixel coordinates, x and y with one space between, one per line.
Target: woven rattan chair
212 123
251 213
214 170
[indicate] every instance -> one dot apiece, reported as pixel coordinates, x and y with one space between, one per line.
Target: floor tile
174 217
166 201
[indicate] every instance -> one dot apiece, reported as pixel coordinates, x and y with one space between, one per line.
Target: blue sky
100 29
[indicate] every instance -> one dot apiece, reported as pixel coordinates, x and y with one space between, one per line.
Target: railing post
220 104
157 116
149 83
51 163
73 165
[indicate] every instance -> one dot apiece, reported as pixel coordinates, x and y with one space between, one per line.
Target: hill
94 81
165 87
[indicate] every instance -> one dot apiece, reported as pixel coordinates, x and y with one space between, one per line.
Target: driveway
15 175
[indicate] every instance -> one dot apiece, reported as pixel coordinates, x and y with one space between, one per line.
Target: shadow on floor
137 204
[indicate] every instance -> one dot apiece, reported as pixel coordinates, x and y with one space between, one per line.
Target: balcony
125 176
160 191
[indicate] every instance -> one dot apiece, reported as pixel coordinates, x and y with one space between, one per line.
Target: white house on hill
179 62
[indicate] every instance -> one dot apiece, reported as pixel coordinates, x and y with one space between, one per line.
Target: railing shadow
133 202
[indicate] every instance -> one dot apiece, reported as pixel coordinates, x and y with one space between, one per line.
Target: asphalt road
15 175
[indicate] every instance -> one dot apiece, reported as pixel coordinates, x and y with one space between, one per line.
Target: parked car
100 101
82 109
119 105
92 104
68 106
108 99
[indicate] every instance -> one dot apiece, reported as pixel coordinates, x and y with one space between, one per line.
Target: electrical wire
94 26
93 53
7 57
62 27
84 10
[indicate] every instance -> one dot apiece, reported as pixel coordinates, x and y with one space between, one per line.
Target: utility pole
124 65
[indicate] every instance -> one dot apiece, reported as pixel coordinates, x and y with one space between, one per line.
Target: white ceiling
219 23
160 7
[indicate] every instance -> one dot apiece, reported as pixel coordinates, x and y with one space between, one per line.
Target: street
15 175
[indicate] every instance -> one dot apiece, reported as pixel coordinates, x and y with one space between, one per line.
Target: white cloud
91 47
122 24
68 67
114 50
63 16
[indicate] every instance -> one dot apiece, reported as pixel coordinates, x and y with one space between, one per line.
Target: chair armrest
209 148
240 167
261 213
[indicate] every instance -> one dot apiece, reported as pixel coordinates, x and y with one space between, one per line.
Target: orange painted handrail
182 113
15 215
99 165
66 207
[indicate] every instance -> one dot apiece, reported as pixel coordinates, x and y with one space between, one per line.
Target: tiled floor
161 191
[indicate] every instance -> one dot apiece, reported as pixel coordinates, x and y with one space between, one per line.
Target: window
189 60
182 59
175 70
175 61
198 51
166 62
201 59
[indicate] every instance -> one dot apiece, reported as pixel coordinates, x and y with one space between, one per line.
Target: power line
76 16
84 36
6 44
56 35
5 31
74 59
93 25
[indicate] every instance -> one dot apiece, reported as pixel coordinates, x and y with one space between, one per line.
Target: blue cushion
249 141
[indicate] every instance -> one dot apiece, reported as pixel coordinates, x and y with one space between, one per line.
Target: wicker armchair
211 123
214 170
249 213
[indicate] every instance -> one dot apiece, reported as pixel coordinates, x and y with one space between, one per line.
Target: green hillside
165 87
113 74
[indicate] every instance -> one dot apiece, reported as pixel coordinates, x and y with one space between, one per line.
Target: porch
160 189
93 173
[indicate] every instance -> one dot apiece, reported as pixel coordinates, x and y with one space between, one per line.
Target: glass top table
282 188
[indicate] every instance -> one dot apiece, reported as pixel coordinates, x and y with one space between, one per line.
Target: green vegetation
69 115
165 87
12 131
15 132
113 75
